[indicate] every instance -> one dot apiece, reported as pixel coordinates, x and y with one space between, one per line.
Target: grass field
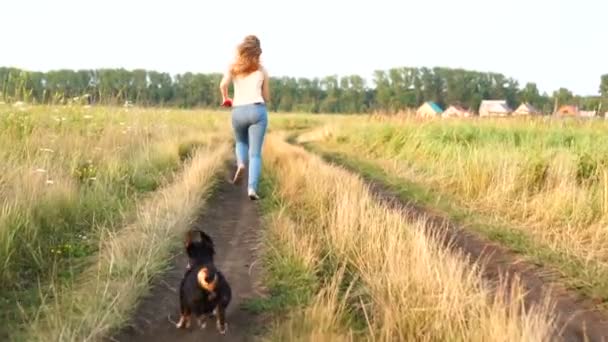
71 180
94 201
538 186
358 270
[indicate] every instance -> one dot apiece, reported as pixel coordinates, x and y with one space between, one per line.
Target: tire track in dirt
233 222
577 318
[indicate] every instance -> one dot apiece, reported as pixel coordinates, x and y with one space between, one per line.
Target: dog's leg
184 321
202 321
185 312
221 319
180 324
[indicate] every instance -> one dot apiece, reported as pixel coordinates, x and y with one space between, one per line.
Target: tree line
391 90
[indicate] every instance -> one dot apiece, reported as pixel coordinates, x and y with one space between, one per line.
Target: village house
587 113
494 108
429 109
526 109
455 111
567 110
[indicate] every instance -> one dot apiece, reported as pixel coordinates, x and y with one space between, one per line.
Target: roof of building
458 107
526 107
568 108
495 106
435 106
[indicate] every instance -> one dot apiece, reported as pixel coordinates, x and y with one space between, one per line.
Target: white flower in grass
87 116
49 181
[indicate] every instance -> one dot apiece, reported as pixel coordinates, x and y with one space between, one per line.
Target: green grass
295 122
291 284
53 237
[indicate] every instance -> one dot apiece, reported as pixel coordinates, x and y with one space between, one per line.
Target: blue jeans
249 123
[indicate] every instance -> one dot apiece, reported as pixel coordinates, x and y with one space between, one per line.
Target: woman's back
248 89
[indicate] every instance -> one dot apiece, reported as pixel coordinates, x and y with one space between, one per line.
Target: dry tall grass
106 293
95 159
295 247
404 284
70 175
547 179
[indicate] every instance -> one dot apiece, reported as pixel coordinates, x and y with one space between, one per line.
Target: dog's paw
184 323
181 324
222 328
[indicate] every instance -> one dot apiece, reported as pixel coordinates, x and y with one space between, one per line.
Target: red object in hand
227 103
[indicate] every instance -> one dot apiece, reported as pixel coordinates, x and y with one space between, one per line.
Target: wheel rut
233 222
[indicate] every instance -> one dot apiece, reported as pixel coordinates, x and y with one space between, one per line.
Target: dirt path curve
577 317
232 221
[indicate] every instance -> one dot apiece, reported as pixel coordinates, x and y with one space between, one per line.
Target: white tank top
248 89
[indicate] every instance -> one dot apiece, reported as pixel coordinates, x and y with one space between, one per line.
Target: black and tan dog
204 290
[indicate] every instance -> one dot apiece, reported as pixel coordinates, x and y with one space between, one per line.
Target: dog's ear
188 238
206 239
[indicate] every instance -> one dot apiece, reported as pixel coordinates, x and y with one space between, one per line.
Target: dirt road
232 220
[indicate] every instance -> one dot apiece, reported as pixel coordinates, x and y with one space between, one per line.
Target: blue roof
435 107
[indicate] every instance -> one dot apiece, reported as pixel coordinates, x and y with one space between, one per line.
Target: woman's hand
226 101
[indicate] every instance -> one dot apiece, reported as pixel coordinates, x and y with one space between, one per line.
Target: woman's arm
224 85
266 87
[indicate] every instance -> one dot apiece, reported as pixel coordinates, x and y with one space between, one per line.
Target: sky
555 43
